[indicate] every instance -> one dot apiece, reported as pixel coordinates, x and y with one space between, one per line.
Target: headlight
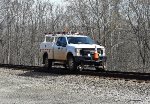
104 52
77 51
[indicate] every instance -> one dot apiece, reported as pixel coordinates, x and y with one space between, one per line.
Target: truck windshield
80 40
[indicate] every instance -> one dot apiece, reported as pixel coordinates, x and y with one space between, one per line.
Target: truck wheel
99 69
48 63
71 63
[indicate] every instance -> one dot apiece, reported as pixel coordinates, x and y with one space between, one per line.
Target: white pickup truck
72 51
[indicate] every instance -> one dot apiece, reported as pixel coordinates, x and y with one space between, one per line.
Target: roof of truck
65 35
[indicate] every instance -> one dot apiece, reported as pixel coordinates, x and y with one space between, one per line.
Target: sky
59 2
56 1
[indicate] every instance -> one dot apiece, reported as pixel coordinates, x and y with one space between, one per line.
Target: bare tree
122 26
139 24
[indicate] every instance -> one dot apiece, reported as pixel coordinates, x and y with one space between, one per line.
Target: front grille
86 51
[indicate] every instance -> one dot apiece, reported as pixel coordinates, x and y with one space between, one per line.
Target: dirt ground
18 86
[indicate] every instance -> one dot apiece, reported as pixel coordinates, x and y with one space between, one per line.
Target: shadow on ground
36 71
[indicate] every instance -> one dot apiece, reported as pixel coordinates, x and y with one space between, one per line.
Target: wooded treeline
122 26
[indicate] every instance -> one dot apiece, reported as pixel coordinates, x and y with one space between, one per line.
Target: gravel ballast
30 87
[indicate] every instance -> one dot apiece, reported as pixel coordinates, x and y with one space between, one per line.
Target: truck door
60 49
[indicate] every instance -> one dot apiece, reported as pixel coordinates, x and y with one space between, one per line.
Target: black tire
65 66
48 63
98 69
101 68
72 66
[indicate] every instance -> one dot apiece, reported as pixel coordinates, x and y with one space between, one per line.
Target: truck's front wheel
101 68
71 63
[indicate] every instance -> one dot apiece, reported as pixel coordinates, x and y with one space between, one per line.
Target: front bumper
89 61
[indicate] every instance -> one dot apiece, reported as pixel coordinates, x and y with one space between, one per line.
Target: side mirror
58 43
63 44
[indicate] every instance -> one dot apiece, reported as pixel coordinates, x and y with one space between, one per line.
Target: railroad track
140 77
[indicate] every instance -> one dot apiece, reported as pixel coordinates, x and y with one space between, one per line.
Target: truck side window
58 43
49 39
61 41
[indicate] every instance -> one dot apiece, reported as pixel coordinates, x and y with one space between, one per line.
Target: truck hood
85 46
